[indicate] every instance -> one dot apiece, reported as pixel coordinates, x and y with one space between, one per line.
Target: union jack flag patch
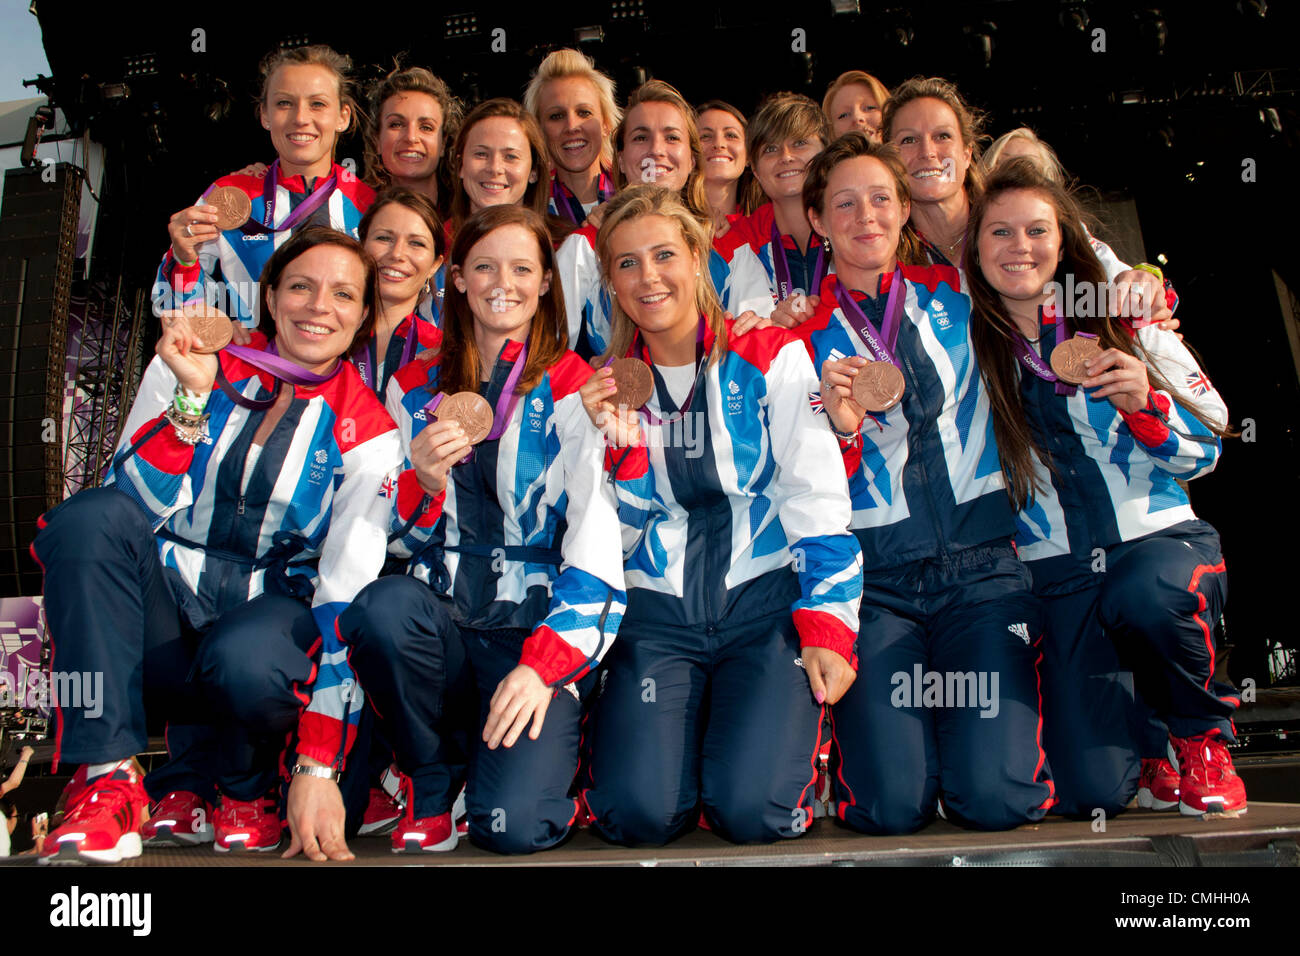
1197 383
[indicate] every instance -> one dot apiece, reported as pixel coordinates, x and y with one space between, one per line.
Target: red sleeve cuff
164 451
1149 425
182 277
409 497
819 629
554 658
852 454
318 738
626 463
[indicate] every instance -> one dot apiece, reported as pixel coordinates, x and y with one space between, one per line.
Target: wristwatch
325 773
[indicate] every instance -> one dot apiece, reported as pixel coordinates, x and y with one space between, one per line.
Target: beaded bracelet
188 403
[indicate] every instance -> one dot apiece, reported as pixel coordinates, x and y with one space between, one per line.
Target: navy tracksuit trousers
430 683
1140 618
709 713
947 702
227 680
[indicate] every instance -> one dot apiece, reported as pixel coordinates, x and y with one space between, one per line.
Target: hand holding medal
612 397
1118 376
185 348
837 389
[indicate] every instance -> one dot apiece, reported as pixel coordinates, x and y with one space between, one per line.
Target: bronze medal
635 383
210 325
1068 358
878 386
232 206
471 411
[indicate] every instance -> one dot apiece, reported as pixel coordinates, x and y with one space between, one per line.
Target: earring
826 243
427 287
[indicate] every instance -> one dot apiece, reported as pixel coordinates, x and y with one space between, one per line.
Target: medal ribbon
568 205
639 350
506 401
279 368
880 344
368 364
784 284
301 212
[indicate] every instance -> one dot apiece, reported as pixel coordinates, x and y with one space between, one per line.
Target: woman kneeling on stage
235 523
744 581
515 580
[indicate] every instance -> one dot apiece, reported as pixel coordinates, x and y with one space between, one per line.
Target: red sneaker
432 834
101 823
1207 781
71 790
1158 786
460 815
387 802
180 819
247 825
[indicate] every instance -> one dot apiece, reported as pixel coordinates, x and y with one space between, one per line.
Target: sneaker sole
128 848
166 836
1189 811
413 846
1147 801
240 846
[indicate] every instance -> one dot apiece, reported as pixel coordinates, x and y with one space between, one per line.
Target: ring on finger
187 231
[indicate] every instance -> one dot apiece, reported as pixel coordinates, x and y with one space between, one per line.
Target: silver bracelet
325 773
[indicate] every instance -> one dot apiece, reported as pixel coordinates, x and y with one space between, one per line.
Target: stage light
1253 8
1132 97
1153 28
294 41
627 10
460 25
114 91
898 27
142 64
841 7
594 34
1269 117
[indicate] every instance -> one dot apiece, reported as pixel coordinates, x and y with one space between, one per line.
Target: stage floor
1268 835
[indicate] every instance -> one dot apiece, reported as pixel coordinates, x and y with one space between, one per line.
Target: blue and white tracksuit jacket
763 449
741 285
536 547
755 232
926 480
228 268
313 514
1117 474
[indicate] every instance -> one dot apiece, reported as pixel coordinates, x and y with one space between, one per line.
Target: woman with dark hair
235 524
514 588
500 159
1097 426
945 711
306 104
743 579
728 179
404 234
657 142
414 119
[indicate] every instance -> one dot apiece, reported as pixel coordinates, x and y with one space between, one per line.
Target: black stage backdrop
1182 114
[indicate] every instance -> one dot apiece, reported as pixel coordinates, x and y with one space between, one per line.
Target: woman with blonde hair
743 580
574 103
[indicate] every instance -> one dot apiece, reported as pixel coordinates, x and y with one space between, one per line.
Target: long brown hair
414 79
852 144
648 199
548 339
693 193
300 242
749 194
537 194
970 121
993 331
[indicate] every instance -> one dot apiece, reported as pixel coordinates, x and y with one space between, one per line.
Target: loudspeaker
38 233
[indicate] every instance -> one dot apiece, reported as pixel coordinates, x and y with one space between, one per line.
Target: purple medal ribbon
784 284
368 364
881 344
650 416
506 401
568 205
270 361
300 213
